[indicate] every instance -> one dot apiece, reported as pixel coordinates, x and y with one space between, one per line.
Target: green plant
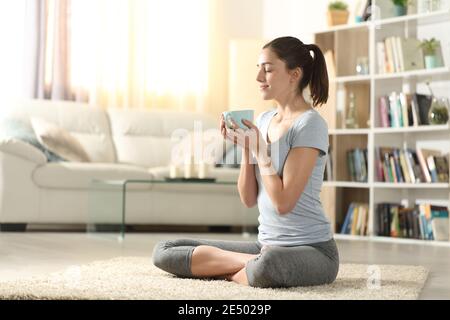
401 3
337 5
429 46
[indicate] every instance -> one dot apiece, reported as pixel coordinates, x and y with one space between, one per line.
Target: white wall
301 18
230 19
298 18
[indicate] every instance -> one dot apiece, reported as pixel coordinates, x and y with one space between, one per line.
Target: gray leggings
275 266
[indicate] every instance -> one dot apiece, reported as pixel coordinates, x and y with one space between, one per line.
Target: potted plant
429 48
400 7
337 13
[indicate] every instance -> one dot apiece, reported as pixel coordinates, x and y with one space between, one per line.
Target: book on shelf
403 101
397 165
398 169
423 221
428 213
381 58
432 168
411 54
395 111
356 219
403 110
405 169
438 167
422 104
357 164
397 54
423 164
441 164
436 164
418 174
378 165
440 229
389 56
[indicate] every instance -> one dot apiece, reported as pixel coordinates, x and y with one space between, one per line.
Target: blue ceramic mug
237 116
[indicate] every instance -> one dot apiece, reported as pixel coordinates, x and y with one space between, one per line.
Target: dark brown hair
297 54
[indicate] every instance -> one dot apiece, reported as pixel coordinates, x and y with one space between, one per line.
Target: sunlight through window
160 47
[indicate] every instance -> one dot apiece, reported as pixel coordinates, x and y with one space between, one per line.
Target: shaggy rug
137 278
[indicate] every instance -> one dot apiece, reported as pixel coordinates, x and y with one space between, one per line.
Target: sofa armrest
19 195
23 150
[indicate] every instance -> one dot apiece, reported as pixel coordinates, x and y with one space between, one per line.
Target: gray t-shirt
307 222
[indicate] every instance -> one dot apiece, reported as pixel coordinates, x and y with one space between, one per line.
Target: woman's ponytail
318 83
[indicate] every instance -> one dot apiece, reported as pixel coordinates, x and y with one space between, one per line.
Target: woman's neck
291 108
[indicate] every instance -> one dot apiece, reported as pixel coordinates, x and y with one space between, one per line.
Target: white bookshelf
420 74
348 42
392 240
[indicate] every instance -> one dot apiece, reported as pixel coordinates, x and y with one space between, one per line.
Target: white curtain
12 29
140 53
129 53
46 44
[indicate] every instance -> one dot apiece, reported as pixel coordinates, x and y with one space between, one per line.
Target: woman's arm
285 192
247 184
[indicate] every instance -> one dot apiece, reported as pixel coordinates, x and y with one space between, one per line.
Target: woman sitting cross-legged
283 161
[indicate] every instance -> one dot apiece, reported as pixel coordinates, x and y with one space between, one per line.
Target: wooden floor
33 253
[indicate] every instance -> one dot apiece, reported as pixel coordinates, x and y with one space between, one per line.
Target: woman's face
275 80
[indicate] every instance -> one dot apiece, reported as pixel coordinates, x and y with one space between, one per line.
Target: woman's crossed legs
245 263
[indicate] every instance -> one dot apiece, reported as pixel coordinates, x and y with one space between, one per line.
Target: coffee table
107 200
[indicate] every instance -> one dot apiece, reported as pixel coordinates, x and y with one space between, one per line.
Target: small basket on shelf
337 13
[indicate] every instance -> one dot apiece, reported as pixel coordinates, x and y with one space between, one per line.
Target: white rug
137 278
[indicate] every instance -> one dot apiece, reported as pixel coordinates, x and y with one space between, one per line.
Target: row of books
404 110
356 219
397 54
423 221
411 166
357 164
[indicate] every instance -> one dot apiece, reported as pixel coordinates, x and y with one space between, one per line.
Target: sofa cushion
91 143
145 151
89 124
76 175
18 129
59 140
148 137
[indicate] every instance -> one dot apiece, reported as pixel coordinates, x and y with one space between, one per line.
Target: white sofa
122 144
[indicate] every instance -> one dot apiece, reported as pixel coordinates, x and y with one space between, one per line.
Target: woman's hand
250 140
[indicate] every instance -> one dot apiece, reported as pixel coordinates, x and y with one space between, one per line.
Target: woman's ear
296 74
